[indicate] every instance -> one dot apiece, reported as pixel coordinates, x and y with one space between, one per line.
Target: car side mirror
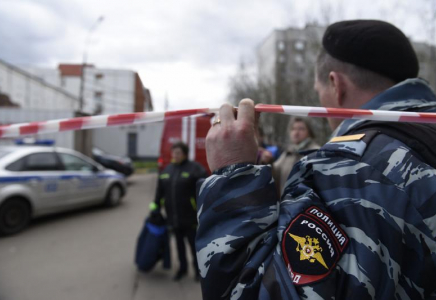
95 169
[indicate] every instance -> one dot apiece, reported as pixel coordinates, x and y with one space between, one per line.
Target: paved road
88 255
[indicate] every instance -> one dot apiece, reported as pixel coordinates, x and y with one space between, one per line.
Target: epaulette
351 144
420 137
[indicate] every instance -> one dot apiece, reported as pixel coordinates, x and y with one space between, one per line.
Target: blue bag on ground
153 244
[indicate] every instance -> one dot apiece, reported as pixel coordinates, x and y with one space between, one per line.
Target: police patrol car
36 181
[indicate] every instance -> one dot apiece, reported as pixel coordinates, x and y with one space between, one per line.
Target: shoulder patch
312 245
347 138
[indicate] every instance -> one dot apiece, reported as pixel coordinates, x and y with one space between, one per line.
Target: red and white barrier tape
51 126
346 113
15 130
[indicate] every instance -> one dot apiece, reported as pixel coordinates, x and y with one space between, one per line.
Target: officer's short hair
362 78
182 146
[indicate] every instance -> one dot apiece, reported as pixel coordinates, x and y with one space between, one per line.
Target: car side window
16 166
74 163
44 161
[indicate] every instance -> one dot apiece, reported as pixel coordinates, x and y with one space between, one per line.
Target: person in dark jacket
176 190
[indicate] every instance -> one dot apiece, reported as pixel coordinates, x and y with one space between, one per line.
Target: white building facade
104 91
27 98
108 92
20 88
32 94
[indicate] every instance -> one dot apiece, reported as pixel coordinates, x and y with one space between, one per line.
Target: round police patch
312 245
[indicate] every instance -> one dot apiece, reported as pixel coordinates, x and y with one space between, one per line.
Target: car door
42 173
86 184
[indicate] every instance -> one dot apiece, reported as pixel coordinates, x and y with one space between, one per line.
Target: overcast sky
185 49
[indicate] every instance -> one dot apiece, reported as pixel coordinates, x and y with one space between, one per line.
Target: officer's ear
339 84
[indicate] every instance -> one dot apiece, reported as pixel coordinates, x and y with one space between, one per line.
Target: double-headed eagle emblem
309 249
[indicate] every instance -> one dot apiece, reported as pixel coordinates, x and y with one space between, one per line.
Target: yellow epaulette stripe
347 138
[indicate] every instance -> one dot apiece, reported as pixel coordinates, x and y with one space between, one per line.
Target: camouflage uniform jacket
356 220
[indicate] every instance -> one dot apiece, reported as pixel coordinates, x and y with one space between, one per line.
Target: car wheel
114 195
14 216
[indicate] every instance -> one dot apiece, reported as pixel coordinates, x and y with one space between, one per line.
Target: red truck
190 130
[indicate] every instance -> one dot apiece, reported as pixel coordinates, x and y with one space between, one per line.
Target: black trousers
189 234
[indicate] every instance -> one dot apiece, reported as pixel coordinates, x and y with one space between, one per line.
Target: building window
281 45
282 59
99 76
299 45
98 96
298 59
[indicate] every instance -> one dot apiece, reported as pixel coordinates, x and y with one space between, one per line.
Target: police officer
176 190
357 217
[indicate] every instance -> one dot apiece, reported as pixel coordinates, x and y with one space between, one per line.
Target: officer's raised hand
231 140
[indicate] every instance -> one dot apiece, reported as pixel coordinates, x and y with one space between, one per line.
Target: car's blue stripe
18 179
12 179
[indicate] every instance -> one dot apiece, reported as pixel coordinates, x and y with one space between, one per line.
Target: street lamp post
82 73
